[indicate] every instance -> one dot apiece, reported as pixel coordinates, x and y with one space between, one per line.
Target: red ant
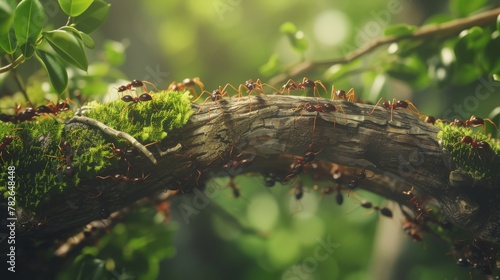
484 146
187 84
416 204
298 165
67 158
412 229
232 185
235 164
215 96
27 115
123 178
306 83
123 154
383 211
395 104
7 140
319 108
342 94
52 108
473 122
355 182
136 84
252 86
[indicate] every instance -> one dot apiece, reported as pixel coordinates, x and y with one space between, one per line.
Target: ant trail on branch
115 133
396 104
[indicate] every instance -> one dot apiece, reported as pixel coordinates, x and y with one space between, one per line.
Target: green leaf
55 70
74 8
8 42
86 39
296 37
93 18
67 45
271 67
399 30
463 8
115 52
6 16
28 49
496 77
29 18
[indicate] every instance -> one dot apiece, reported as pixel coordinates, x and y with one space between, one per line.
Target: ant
232 185
355 182
67 158
136 84
215 96
298 165
412 229
473 122
123 154
27 115
123 178
478 255
235 164
318 108
306 83
383 211
416 204
51 108
142 98
484 146
187 83
252 86
395 104
350 96
7 140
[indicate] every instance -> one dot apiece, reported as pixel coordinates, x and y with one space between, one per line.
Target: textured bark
401 153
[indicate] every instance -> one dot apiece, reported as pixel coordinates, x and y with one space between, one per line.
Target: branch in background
439 30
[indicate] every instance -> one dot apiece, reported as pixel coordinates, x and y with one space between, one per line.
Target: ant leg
316 88
149 83
378 102
351 95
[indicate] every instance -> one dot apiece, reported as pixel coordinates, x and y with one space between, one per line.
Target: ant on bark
123 154
215 96
305 84
318 108
396 104
251 86
355 182
300 162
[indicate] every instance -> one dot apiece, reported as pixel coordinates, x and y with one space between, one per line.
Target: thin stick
113 132
444 30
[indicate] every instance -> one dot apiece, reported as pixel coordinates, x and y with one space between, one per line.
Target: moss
480 163
44 167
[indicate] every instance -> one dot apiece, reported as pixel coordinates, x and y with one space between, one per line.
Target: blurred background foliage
266 233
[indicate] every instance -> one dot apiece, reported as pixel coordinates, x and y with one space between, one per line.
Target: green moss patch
479 161
45 166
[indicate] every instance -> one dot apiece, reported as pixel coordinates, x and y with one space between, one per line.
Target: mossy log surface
401 153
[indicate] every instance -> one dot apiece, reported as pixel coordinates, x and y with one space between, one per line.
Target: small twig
444 30
113 132
21 86
174 149
12 65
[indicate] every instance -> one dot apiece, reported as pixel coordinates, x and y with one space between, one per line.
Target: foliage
23 35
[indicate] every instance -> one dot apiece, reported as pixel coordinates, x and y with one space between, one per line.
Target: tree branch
443 30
